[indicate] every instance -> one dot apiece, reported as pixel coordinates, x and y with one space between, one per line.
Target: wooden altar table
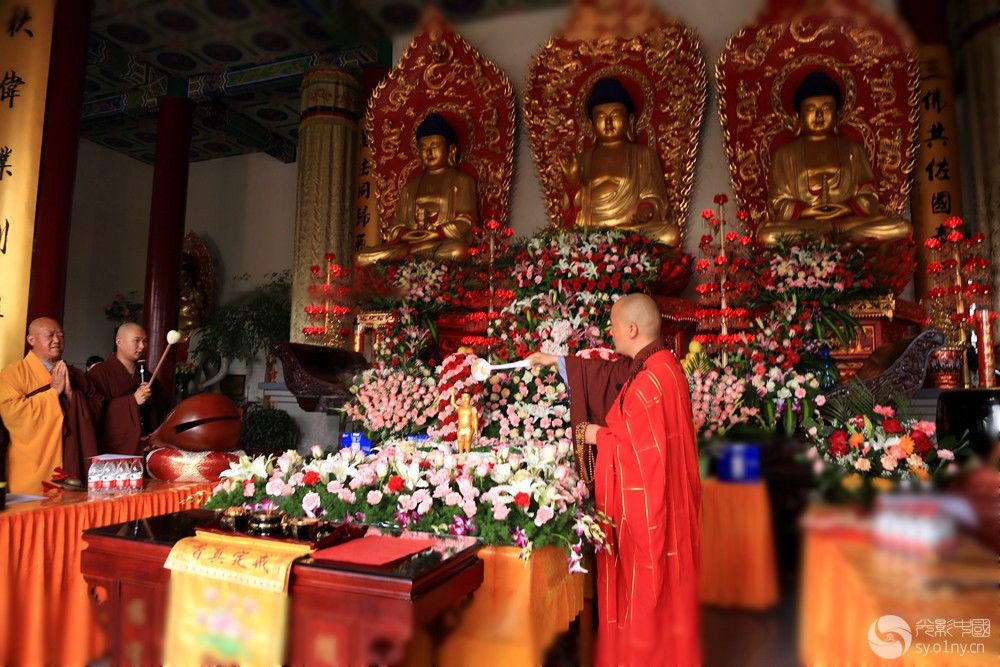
45 617
848 582
738 566
339 613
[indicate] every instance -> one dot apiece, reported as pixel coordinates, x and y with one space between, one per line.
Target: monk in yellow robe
43 405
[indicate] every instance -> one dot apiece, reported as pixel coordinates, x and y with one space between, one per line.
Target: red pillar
166 230
57 171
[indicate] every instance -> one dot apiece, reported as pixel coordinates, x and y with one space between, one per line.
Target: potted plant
267 430
251 323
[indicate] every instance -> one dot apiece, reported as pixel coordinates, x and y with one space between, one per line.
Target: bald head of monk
45 338
635 323
130 344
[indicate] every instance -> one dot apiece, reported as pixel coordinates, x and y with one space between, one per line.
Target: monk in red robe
124 400
637 412
44 407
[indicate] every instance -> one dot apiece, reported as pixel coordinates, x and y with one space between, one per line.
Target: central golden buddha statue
618 183
437 208
822 183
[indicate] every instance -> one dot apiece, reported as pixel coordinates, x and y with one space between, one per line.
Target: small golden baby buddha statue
467 424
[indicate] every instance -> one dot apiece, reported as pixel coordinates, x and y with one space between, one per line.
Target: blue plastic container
356 441
739 462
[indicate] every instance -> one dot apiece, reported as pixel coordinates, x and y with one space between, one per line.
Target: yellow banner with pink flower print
228 600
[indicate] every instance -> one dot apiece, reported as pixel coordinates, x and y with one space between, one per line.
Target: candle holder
329 292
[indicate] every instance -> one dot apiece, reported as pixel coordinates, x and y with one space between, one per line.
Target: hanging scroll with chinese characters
25 42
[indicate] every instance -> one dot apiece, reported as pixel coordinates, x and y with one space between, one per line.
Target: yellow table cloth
518 611
848 583
738 566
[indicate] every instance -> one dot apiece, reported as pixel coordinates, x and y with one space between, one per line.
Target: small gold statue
467 425
617 182
821 182
437 208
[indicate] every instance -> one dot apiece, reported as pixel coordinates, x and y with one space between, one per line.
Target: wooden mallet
173 336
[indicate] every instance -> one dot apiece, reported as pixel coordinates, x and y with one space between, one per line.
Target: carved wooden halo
663 62
870 56
441 72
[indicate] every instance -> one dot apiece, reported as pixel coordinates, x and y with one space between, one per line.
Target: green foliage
267 431
251 323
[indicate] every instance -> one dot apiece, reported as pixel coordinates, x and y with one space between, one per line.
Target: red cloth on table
374 550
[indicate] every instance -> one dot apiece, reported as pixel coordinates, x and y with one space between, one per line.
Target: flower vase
944 368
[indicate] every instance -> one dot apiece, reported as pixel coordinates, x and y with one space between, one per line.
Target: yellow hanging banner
228 600
25 44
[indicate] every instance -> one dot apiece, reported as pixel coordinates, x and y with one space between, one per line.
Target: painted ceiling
240 61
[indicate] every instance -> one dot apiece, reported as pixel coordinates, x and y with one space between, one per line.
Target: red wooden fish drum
202 423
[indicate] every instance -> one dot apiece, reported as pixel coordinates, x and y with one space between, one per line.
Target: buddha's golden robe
444 233
601 204
796 184
30 410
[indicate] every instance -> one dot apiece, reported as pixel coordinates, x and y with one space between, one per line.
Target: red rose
838 443
720 199
955 236
396 484
708 214
921 443
522 500
311 477
892 426
954 222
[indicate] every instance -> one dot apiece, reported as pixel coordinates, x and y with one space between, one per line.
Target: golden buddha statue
821 182
437 208
617 182
467 423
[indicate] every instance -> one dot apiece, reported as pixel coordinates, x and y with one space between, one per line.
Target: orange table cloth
516 614
848 583
45 615
738 567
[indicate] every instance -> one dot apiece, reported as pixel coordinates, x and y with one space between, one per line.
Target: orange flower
906 442
851 482
921 473
856 440
882 484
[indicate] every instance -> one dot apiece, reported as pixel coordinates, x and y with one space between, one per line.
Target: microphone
142 370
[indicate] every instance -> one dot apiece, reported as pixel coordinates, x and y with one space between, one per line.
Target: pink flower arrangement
390 402
717 401
424 282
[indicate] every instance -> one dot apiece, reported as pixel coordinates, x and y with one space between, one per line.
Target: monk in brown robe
44 406
637 412
125 404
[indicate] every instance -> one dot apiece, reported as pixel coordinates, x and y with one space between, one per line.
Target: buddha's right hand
570 168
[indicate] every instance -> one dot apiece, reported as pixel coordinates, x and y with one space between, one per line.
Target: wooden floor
729 638
748 639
